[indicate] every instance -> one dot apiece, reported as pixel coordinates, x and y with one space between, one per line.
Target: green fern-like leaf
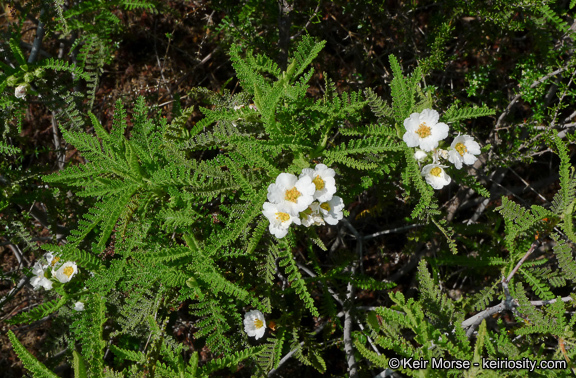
230 360
30 362
378 106
128 354
79 366
402 94
565 255
39 312
455 113
297 283
306 52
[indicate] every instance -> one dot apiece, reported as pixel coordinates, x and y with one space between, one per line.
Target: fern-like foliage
297 283
564 201
38 312
90 333
30 362
229 361
428 328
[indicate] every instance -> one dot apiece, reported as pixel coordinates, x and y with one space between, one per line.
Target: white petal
430 116
473 147
335 213
38 269
420 155
325 171
455 158
286 180
275 193
328 191
440 131
413 122
307 172
35 282
469 159
306 186
46 283
428 144
411 139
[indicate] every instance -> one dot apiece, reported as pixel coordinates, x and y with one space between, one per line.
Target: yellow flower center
68 271
55 260
292 195
423 131
284 217
325 206
436 171
461 148
258 323
318 182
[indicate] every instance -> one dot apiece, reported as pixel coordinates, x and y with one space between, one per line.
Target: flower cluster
306 200
53 268
424 131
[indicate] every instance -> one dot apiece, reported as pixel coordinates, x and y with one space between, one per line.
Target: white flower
323 179
38 269
420 156
464 148
20 91
436 176
66 272
332 210
424 130
292 195
51 259
311 216
254 324
79 306
41 281
280 220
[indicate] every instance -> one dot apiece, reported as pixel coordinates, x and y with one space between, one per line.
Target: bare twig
507 304
562 99
393 230
41 52
283 32
348 348
38 40
291 353
519 96
528 185
17 253
498 176
279 273
543 303
305 27
385 373
311 274
472 322
14 291
528 253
